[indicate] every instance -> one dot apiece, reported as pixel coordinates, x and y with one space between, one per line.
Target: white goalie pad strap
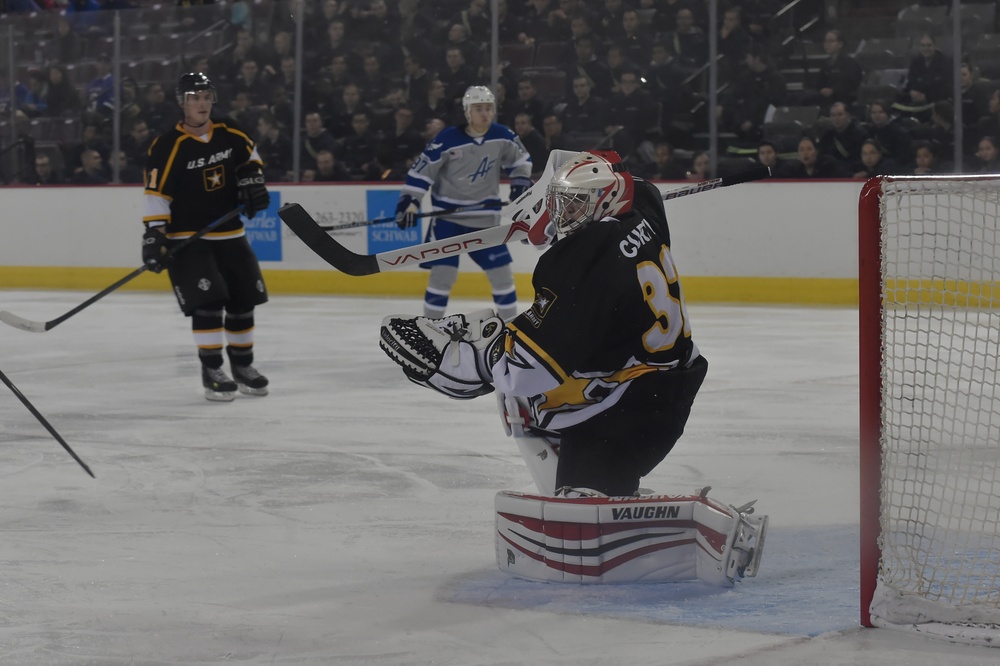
539 449
446 354
654 539
541 456
515 413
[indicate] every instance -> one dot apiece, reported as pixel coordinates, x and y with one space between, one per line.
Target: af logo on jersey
484 168
215 178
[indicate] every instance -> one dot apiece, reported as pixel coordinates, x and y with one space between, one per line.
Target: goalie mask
194 82
588 187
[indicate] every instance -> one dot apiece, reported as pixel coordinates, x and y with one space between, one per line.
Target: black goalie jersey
191 181
608 316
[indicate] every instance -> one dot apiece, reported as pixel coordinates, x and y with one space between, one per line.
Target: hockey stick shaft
757 173
45 423
12 319
352 263
433 213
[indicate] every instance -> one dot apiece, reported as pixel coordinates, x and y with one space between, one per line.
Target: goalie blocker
653 539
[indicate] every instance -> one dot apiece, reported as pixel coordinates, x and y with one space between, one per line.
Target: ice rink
347 518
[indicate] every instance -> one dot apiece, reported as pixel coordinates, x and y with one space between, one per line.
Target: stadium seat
518 55
870 93
550 83
586 140
804 115
552 54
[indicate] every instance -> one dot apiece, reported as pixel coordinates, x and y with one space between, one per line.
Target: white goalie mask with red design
590 186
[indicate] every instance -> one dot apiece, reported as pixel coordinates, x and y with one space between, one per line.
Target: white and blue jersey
460 170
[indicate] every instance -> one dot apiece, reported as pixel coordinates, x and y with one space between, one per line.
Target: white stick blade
12 319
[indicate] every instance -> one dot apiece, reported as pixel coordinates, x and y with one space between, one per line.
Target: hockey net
929 305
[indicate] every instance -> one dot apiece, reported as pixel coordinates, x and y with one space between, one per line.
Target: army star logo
543 301
214 178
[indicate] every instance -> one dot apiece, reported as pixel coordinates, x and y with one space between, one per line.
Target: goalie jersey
461 170
191 181
608 317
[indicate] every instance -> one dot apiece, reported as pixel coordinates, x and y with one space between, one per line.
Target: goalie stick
41 419
12 319
433 213
352 263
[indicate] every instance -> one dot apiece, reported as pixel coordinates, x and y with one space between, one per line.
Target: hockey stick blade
12 319
352 263
329 250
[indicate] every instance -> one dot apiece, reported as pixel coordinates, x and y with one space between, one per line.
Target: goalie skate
746 544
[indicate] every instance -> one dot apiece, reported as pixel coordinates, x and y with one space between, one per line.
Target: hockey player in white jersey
462 167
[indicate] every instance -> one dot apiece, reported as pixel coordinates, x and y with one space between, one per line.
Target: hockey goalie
595 382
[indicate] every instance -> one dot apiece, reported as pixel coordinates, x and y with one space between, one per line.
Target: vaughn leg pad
654 539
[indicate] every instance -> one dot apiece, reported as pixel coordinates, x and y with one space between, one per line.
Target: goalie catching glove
452 355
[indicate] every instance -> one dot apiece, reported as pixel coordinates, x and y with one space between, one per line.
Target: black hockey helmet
194 82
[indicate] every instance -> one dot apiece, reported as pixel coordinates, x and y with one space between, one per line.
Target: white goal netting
939 571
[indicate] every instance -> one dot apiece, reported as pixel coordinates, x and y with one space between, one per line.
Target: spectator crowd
382 77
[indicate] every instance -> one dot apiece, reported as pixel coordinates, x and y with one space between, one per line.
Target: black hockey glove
154 246
406 211
253 194
519 186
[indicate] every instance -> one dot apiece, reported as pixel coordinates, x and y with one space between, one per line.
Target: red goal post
929 334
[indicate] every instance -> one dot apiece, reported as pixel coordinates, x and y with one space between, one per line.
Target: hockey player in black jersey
196 173
603 364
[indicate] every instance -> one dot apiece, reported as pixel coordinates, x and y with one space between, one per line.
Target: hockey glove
519 186
406 211
253 194
154 246
452 355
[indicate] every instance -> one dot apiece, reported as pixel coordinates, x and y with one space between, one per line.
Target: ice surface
347 517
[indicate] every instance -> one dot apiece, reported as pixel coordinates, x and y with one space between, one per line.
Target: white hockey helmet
477 95
588 187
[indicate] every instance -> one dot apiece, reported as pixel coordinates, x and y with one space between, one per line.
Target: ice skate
249 381
747 543
218 386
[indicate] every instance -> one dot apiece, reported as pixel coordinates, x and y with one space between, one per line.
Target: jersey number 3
663 295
